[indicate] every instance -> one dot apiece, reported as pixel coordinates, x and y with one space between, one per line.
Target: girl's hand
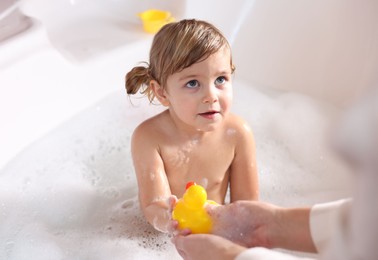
172 224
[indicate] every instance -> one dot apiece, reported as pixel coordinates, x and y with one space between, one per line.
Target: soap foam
73 193
295 163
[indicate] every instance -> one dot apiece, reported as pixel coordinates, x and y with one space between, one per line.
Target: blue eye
220 80
192 84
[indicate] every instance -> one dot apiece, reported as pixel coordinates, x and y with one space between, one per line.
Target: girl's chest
198 160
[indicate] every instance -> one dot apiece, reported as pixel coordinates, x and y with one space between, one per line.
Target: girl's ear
159 92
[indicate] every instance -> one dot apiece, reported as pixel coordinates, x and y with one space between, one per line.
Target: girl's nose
210 94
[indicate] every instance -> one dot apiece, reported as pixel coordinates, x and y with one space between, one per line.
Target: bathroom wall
328 49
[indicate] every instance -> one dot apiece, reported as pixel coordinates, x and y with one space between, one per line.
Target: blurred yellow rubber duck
154 19
190 210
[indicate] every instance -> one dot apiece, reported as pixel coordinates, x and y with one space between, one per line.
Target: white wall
326 48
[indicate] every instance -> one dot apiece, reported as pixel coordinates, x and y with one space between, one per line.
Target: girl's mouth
209 114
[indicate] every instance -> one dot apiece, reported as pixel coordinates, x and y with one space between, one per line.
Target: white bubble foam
295 163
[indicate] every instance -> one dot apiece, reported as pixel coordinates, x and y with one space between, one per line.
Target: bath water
73 193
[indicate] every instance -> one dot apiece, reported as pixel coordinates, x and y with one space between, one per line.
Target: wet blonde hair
175 47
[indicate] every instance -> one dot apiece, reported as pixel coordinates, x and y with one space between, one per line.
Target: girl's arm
155 196
244 177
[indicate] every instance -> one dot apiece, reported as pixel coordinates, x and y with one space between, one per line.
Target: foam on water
73 193
295 163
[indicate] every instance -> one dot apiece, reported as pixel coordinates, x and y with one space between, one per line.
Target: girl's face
200 96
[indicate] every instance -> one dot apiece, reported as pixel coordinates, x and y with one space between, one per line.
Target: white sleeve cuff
259 253
324 218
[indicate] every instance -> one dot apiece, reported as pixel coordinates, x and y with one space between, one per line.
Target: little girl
196 138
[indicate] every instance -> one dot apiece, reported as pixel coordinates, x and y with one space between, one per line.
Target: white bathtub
67 187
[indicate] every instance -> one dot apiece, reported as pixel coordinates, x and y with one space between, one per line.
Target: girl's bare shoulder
152 127
237 123
237 130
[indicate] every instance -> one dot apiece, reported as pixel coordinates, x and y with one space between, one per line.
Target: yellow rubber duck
190 211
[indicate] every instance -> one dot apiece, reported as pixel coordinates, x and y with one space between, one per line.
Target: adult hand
206 246
259 224
247 223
